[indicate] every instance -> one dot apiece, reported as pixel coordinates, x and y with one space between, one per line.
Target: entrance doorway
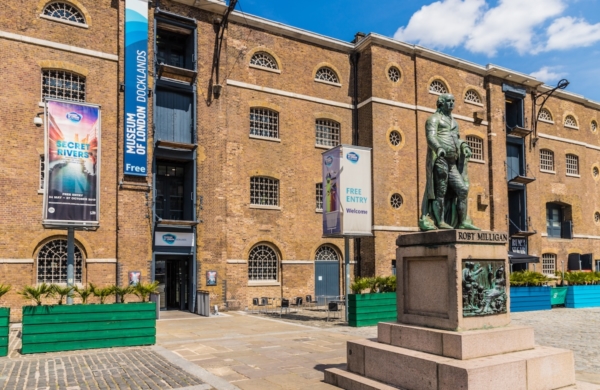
173 278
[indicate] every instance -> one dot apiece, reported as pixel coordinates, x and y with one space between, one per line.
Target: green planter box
4 330
66 328
370 309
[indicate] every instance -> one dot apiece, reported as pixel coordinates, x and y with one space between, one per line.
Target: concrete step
349 381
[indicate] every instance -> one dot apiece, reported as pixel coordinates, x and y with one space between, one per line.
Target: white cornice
101 261
569 141
59 46
395 228
280 92
16 261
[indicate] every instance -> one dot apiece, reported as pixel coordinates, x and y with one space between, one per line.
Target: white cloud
568 32
442 24
547 74
512 24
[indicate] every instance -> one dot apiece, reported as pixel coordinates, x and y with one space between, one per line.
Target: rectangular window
548 263
42 170
476 145
327 132
58 84
174 192
572 164
546 160
264 123
264 191
175 45
319 196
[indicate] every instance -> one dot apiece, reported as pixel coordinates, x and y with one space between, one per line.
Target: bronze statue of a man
445 200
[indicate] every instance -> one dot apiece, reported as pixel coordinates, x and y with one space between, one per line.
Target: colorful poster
136 88
211 278
134 278
331 200
72 164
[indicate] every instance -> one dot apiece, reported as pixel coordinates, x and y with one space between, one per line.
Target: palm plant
36 293
83 293
103 292
388 284
4 288
122 292
143 290
579 278
61 292
359 285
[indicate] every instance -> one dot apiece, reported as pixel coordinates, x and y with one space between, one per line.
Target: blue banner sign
136 88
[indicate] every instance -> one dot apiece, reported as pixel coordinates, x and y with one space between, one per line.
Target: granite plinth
457 345
373 365
430 272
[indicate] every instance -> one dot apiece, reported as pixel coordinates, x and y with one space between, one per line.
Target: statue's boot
465 222
467 226
438 212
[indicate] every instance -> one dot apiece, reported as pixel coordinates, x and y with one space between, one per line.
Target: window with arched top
594 126
328 75
60 84
570 121
52 263
476 145
263 60
327 132
438 87
264 122
546 160
63 11
326 253
545 115
263 263
264 191
572 165
472 97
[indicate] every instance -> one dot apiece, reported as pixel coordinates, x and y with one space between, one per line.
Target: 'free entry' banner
72 164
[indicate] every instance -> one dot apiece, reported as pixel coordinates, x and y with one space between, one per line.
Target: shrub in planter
583 290
378 305
4 322
528 291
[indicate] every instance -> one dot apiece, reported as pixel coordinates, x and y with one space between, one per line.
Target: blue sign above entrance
136 88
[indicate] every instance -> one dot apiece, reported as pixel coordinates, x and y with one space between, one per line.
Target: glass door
173 287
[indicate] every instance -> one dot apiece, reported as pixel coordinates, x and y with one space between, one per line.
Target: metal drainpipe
354 57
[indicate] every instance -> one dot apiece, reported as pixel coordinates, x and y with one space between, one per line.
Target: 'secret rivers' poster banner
72 164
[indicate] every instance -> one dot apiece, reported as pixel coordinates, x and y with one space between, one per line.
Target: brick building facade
235 150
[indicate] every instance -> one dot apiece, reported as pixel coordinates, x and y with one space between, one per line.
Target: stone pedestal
447 337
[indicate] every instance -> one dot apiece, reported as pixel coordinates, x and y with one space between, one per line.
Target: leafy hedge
528 278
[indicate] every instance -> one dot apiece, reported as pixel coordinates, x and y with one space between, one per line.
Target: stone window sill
546 171
324 147
264 207
319 211
473 103
328 83
477 161
261 283
573 175
572 127
278 71
82 25
545 121
265 138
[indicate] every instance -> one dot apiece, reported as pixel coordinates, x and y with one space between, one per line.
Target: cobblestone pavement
123 368
574 329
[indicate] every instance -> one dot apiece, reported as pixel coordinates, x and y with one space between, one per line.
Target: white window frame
476 143
258 125
548 264
477 102
80 80
259 264
82 24
319 197
268 56
549 155
570 126
327 127
444 86
576 160
267 189
324 69
545 110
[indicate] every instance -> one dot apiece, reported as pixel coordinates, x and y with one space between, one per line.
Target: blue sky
550 39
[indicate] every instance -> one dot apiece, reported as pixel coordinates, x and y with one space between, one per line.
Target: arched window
572 165
326 253
472 97
545 115
60 84
263 263
548 263
328 75
546 160
264 191
63 11
327 132
570 121
264 122
396 201
438 87
476 145
264 60
52 263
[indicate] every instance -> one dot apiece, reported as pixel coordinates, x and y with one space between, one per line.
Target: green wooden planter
4 330
369 309
66 328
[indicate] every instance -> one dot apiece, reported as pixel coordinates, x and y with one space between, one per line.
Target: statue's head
445 102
